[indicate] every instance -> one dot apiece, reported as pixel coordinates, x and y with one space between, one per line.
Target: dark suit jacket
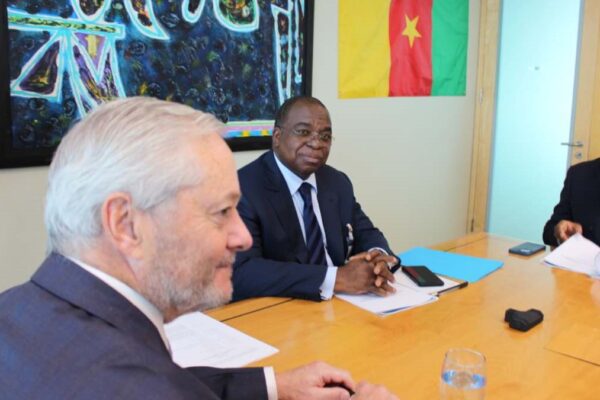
579 202
68 335
276 264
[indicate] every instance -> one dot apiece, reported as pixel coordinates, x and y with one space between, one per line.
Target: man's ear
276 136
122 224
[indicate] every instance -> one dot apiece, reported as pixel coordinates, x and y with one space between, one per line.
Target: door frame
485 105
587 107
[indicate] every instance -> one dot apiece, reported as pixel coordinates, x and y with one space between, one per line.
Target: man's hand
365 390
360 276
317 380
565 229
382 262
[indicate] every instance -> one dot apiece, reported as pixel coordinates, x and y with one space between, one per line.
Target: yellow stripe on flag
364 48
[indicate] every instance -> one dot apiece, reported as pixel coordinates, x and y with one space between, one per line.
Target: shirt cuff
328 283
380 249
271 383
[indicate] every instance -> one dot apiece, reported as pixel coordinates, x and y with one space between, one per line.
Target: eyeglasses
325 137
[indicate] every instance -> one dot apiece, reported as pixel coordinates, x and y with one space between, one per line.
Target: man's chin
214 298
222 277
220 291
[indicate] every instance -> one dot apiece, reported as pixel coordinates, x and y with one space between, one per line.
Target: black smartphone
422 276
527 248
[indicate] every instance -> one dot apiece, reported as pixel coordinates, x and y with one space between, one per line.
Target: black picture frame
14 155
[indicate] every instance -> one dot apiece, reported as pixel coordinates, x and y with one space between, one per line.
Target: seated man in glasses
310 236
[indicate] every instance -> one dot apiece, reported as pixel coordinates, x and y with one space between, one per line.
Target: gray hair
131 145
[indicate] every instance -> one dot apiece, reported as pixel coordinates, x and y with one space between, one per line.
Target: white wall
409 160
22 236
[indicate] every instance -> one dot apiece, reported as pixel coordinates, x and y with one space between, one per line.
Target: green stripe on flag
449 47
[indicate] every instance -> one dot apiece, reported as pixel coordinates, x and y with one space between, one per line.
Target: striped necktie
314 238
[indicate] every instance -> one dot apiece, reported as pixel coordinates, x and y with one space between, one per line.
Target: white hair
133 145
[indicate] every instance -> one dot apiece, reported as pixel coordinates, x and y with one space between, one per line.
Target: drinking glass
463 375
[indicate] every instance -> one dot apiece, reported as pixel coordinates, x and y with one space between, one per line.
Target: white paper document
575 254
198 340
404 298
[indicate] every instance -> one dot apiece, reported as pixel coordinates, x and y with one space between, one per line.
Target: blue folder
453 265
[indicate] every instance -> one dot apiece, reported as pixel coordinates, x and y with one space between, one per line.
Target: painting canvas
238 59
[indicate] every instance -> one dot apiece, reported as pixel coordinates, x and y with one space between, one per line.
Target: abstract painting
238 59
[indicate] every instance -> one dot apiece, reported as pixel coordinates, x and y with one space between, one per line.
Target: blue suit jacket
276 264
579 202
68 335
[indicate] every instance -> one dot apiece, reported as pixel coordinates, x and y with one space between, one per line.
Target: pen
457 287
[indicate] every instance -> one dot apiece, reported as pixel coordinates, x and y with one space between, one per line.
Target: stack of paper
198 340
576 254
403 299
408 295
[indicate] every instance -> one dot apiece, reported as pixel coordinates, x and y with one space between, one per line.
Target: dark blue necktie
314 238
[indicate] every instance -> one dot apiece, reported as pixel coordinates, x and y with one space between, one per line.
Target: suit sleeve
561 211
233 383
256 275
125 379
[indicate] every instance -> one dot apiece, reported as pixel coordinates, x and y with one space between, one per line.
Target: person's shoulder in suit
254 172
254 166
586 169
53 349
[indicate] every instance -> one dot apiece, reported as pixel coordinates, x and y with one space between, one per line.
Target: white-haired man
142 225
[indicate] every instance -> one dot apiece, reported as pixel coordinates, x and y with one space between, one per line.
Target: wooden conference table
405 351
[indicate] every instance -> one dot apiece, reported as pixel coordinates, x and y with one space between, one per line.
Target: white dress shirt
294 182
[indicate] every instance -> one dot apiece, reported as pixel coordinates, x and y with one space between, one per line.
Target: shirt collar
292 180
139 301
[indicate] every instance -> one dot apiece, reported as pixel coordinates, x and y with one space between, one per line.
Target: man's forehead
308 105
217 166
307 110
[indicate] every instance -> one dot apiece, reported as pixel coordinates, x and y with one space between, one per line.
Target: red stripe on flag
410 71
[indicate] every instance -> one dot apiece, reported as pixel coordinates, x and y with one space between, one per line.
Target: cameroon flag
402 48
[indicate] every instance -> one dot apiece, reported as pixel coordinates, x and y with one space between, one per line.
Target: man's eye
303 132
225 211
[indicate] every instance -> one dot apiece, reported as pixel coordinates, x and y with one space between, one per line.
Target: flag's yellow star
411 29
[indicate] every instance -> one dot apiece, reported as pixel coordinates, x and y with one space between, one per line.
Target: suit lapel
280 200
329 205
61 277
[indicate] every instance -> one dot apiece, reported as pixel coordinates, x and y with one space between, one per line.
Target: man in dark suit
142 226
284 260
578 210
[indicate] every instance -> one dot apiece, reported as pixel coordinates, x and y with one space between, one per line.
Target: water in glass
463 375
